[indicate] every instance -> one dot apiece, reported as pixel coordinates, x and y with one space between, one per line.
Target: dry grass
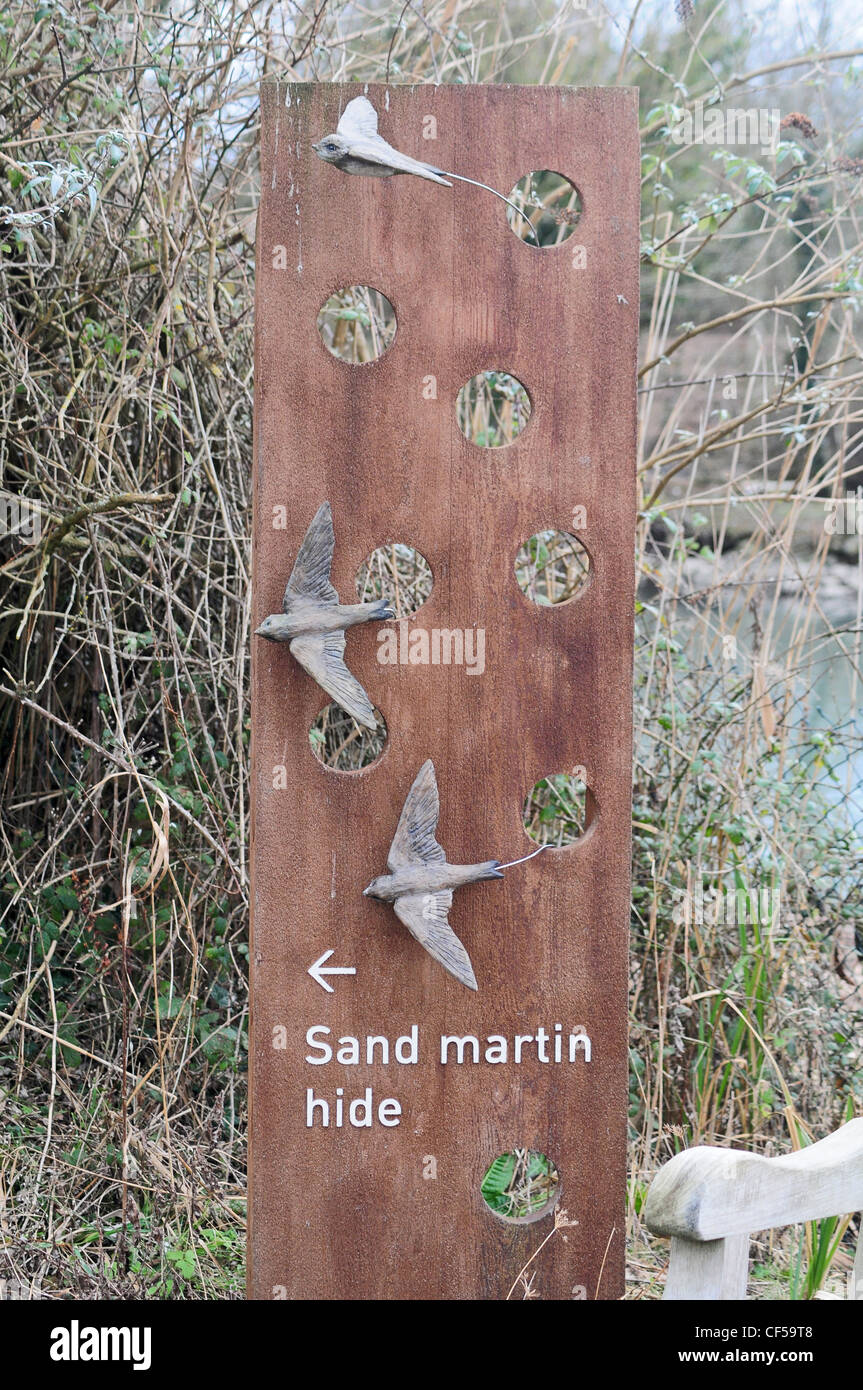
398 573
357 325
551 208
552 567
492 409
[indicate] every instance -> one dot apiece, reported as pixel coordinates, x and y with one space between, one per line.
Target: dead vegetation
129 181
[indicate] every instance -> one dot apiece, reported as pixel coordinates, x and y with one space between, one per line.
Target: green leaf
498 1177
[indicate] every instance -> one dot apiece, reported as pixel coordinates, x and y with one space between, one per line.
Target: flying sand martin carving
313 621
420 882
356 148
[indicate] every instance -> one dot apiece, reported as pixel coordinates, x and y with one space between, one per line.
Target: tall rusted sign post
366 1163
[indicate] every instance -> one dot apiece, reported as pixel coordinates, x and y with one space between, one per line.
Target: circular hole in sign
558 809
492 409
357 325
521 1185
552 567
342 744
397 573
552 208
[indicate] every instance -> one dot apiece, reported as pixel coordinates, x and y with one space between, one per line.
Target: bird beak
366 891
259 631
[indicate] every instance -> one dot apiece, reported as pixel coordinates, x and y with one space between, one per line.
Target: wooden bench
710 1200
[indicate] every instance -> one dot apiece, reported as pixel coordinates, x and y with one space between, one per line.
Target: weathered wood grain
707 1270
347 1213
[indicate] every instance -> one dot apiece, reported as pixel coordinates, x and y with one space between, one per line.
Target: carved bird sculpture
313 622
420 882
356 148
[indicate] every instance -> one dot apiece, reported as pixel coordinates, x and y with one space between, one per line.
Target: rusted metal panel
346 1212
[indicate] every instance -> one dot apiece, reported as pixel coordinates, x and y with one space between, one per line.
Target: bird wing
414 841
374 149
321 654
425 916
310 577
359 119
359 127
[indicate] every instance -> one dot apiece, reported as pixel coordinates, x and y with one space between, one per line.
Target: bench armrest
709 1193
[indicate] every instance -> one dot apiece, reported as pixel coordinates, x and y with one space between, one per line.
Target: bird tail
520 211
490 869
434 176
382 609
403 164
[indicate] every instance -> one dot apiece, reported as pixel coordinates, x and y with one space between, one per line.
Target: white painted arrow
317 971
